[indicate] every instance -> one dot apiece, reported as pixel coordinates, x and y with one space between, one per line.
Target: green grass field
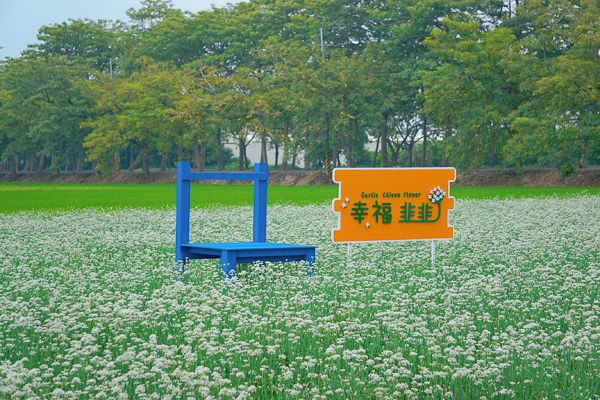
16 197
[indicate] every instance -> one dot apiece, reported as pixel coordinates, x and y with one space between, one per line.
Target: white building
253 153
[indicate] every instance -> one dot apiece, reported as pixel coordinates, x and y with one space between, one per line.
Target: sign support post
349 253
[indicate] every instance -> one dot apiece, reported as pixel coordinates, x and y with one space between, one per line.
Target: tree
558 65
209 98
133 110
472 89
43 110
91 43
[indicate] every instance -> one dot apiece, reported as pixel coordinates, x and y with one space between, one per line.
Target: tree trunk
284 161
242 151
145 166
395 154
410 153
348 154
384 138
327 158
286 141
276 155
348 149
26 167
263 150
585 149
136 162
424 159
56 167
14 164
293 166
131 159
79 165
202 156
220 163
306 162
376 150
334 158
42 161
197 154
163 163
447 135
491 161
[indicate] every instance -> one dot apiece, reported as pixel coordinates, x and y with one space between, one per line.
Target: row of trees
500 82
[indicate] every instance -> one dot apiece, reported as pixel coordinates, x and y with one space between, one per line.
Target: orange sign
390 204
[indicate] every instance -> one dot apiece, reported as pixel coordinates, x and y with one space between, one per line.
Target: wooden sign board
393 204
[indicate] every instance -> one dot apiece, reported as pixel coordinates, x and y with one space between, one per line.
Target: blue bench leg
180 261
310 258
228 264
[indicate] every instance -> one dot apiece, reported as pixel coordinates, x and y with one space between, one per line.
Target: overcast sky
21 19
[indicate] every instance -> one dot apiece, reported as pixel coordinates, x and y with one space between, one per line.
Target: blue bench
233 253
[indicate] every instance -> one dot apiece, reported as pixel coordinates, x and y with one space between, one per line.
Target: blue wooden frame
239 252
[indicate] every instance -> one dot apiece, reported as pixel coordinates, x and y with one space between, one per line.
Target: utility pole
117 155
328 166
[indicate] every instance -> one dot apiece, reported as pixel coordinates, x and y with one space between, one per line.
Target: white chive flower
436 195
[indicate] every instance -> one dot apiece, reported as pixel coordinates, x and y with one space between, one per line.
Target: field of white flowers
90 307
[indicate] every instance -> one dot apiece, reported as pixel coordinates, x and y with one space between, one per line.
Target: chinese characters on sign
393 204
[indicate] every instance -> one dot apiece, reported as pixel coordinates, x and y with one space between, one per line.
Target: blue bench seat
249 252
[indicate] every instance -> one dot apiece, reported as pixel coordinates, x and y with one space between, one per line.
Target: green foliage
471 90
131 110
558 67
91 43
490 82
42 108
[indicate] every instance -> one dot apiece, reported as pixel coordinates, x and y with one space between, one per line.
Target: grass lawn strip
15 197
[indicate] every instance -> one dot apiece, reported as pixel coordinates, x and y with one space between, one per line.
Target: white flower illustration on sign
436 194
